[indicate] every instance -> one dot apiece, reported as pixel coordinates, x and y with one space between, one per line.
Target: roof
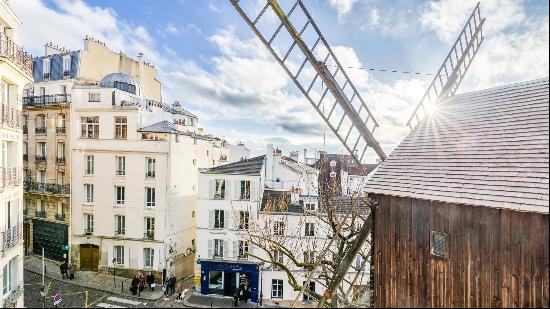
178 110
279 201
251 167
121 81
484 148
160 127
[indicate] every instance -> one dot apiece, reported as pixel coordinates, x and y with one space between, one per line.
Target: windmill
323 81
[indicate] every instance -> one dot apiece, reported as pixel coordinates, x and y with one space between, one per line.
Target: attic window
332 174
333 163
439 244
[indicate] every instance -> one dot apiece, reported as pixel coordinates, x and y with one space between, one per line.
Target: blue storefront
223 278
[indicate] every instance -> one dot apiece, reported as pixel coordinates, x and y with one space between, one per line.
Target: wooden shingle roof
485 148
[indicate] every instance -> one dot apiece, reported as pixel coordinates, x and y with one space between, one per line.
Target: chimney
305 156
269 163
140 60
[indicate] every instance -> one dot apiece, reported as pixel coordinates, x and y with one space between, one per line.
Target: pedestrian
72 269
236 296
63 269
134 286
151 281
172 284
141 282
179 290
246 293
241 291
166 287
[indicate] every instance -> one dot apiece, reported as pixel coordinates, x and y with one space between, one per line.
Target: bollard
139 292
122 287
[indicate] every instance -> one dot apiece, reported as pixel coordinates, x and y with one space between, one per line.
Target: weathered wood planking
497 258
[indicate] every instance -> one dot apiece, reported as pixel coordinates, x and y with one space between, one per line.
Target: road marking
105 305
124 301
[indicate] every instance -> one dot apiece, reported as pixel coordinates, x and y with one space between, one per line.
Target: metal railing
40 213
15 54
60 217
61 160
60 130
25 130
40 159
11 237
51 99
10 176
40 130
88 231
51 188
149 235
150 174
11 117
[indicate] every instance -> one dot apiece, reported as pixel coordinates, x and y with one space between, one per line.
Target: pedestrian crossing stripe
104 305
125 301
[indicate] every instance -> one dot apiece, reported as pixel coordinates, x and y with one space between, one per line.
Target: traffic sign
65 248
57 299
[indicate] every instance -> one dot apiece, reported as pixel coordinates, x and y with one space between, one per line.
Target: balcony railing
50 188
15 54
41 130
25 130
25 157
61 160
10 300
60 130
11 117
149 235
120 232
11 237
150 174
40 213
40 159
50 99
10 176
88 231
60 217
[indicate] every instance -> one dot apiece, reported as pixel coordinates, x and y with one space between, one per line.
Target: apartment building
273 196
15 73
341 175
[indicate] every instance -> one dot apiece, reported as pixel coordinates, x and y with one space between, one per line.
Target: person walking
71 271
172 284
236 296
135 285
141 282
63 269
151 281
166 286
179 290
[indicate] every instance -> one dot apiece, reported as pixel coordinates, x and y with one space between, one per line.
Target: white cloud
374 17
342 7
171 28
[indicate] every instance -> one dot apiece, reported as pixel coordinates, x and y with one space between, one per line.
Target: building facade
15 73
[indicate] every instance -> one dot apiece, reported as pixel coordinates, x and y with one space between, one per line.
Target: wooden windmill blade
346 113
450 75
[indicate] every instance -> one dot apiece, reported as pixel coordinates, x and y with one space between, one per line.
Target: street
74 296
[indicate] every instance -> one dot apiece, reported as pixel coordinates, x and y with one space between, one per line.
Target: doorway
89 257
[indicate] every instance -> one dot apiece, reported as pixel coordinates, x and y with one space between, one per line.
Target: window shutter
227 190
211 189
210 244
253 191
211 219
236 190
225 249
226 220
236 250
236 220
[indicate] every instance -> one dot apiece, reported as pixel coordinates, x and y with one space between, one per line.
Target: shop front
225 277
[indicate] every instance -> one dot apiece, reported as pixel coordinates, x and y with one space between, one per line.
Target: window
46 68
64 89
244 218
66 66
149 226
215 280
148 257
218 248
89 165
60 210
120 195
310 206
61 151
94 97
243 249
120 166
61 120
309 257
219 219
245 190
219 193
89 189
90 127
42 91
9 273
311 288
439 244
39 207
310 229
41 149
40 123
41 176
150 167
121 128
277 257
60 178
119 255
278 228
120 225
89 218
358 262
149 197
276 288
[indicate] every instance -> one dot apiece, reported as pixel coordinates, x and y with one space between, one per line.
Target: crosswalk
118 302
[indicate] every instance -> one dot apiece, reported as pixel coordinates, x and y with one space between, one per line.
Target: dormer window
66 66
46 64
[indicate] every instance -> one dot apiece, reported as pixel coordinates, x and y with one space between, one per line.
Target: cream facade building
15 73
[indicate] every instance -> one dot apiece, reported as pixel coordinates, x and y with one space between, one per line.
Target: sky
209 59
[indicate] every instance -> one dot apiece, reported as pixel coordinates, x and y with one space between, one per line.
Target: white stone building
15 73
234 204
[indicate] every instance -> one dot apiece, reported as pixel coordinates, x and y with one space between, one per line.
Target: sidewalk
89 279
197 300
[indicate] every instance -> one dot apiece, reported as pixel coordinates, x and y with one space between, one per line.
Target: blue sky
210 60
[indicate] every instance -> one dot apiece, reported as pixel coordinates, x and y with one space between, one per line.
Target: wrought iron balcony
60 130
11 237
150 174
25 157
15 54
89 231
11 298
25 130
11 117
61 160
41 130
120 232
40 213
51 99
46 188
60 217
10 176
149 235
40 159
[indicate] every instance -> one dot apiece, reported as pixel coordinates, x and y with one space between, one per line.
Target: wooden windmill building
463 215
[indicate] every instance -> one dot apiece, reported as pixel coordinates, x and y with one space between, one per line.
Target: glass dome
122 81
